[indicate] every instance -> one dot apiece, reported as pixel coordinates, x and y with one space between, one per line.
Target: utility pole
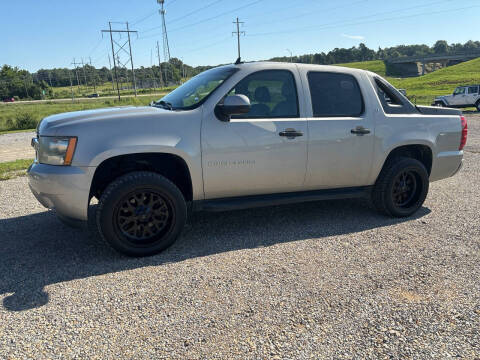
84 74
49 78
74 63
25 83
121 48
71 84
291 55
238 33
93 78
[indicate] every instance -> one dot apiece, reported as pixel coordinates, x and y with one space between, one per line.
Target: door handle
290 133
360 130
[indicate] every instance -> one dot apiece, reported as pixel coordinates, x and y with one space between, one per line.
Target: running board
254 201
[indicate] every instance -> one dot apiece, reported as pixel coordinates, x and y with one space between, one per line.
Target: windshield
196 90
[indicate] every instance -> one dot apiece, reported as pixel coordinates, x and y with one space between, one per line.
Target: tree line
363 53
22 84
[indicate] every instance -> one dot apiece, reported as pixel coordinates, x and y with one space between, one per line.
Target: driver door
263 151
459 97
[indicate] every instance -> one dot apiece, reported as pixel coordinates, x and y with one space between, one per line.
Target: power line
145 18
339 24
171 2
196 11
204 20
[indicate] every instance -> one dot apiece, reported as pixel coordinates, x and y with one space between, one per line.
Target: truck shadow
37 250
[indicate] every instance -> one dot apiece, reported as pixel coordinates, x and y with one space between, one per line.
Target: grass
65 92
441 82
12 169
37 111
423 89
376 66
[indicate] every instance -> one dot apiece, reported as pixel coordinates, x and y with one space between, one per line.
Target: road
325 280
77 99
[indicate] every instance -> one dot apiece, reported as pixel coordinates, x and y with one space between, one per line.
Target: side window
392 101
335 94
473 90
459 91
272 93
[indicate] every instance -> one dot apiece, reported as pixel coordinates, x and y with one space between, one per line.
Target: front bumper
64 188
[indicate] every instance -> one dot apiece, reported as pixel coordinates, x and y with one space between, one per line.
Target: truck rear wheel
477 105
141 213
401 187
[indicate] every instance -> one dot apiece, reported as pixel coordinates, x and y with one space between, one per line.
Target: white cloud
354 37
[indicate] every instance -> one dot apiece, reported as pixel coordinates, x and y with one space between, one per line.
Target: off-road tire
383 193
115 202
477 105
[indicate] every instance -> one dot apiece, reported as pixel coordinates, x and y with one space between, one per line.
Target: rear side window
335 95
473 90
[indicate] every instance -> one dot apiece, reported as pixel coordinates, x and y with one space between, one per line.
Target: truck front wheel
141 213
478 105
401 187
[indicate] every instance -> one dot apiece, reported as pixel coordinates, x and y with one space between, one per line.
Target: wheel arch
172 166
420 152
442 101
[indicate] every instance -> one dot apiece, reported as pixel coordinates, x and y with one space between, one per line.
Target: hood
51 125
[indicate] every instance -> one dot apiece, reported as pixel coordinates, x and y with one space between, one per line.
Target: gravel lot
320 280
15 146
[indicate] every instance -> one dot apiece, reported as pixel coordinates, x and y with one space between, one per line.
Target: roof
275 64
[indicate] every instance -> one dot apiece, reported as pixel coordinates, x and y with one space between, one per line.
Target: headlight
56 150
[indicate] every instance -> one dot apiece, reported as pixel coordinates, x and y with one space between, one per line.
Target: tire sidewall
423 180
122 187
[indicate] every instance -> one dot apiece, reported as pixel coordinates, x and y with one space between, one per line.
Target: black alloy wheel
401 187
141 213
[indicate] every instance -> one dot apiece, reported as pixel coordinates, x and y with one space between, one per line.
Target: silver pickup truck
239 136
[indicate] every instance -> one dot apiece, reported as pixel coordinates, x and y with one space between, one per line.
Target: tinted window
473 90
334 94
272 93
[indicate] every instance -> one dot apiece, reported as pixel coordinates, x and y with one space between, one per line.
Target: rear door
341 130
472 95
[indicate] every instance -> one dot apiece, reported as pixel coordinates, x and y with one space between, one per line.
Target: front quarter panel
170 132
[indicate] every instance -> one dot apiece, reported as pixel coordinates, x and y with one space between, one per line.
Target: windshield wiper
165 104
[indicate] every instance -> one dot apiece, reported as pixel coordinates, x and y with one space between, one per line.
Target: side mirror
232 105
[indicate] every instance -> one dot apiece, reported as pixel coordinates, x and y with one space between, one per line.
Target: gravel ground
321 280
15 146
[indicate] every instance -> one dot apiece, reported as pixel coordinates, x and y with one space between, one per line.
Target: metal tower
166 48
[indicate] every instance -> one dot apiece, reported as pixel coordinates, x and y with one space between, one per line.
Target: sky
46 34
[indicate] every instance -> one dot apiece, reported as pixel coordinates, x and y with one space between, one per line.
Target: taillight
463 139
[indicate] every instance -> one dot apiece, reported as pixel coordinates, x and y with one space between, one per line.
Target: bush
25 121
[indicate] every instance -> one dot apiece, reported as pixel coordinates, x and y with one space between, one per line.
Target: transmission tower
121 47
166 47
